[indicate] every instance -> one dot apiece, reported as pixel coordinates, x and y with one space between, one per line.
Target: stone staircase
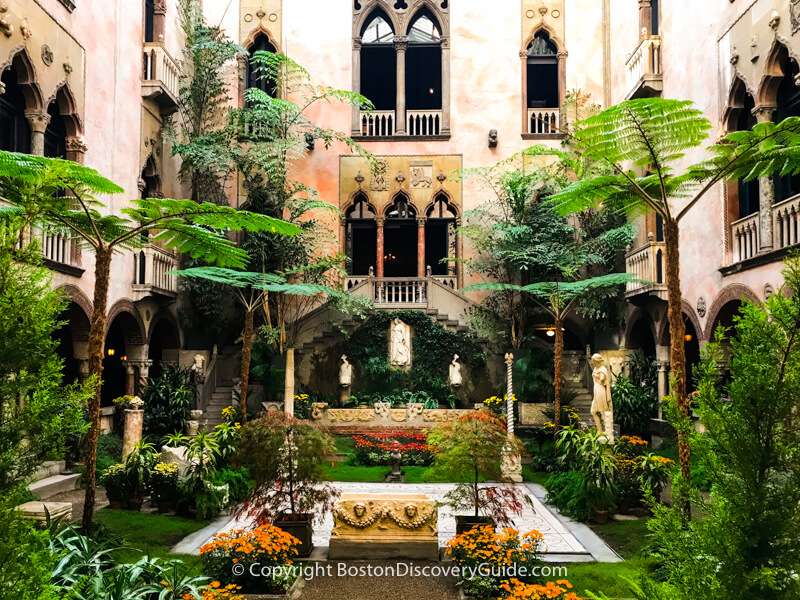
221 398
48 480
582 401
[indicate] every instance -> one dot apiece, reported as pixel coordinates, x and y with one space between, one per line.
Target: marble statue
455 372
399 344
602 408
345 373
396 475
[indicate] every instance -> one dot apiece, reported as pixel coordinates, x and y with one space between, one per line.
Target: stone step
48 468
55 484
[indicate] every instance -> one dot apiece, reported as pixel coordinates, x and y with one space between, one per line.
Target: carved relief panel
537 13
261 15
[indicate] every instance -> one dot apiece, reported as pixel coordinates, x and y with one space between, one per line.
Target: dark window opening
424 64
114 373
659 228
149 20
15 131
441 221
379 63
362 238
256 78
654 16
542 75
55 136
748 190
400 240
788 102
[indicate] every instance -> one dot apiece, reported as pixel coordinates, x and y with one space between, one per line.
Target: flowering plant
115 480
654 472
498 405
374 448
630 446
164 482
488 558
268 546
552 590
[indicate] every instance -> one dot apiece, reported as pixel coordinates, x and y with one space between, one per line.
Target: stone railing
646 264
786 231
405 291
744 238
378 123
544 121
57 247
160 66
353 281
644 62
450 281
424 122
383 415
151 267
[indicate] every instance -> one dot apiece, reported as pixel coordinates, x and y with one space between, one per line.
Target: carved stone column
76 150
355 126
766 187
288 393
144 371
159 20
645 17
523 55
421 246
379 254
343 235
39 122
562 82
663 383
130 377
445 43
459 254
400 47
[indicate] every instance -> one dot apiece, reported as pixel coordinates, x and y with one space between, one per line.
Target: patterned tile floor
559 533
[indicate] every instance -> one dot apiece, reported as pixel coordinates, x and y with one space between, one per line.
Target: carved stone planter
465 523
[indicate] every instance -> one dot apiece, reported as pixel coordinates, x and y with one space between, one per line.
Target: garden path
564 540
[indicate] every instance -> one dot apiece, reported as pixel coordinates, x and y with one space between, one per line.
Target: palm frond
65 173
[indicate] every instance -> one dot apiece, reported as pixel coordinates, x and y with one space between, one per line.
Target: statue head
360 510
344 358
411 511
455 357
597 360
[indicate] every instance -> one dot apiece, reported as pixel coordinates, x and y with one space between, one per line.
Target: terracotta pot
300 527
135 504
465 523
601 517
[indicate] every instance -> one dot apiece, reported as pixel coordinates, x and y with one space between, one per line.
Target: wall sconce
687 337
111 352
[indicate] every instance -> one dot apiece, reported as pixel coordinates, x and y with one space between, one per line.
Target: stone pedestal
385 526
132 433
288 394
40 511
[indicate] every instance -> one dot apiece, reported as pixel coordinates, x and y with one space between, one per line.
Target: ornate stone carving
493 138
735 55
25 30
347 415
67 68
382 409
47 55
443 415
754 52
400 43
421 174
5 25
2 88
441 177
400 178
160 7
414 409
398 414
359 179
317 410
769 291
794 15
775 20
701 307
379 182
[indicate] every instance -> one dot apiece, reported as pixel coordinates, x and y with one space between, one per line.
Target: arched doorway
15 131
73 334
163 347
400 239
691 346
361 241
641 338
440 237
123 336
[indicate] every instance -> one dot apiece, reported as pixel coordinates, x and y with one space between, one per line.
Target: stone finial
400 178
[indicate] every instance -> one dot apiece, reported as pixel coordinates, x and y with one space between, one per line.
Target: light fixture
551 332
688 337
124 358
430 91
111 352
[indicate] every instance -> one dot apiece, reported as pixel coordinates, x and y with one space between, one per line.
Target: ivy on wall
432 348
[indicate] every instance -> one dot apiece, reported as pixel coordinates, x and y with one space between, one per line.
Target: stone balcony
647 265
151 267
544 122
418 123
401 292
160 77
644 76
747 246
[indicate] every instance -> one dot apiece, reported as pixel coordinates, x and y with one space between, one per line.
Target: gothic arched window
256 78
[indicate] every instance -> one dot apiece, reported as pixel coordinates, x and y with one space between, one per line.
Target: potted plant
138 466
200 497
471 449
115 481
164 486
285 456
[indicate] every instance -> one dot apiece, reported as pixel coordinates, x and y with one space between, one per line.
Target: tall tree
30 184
652 135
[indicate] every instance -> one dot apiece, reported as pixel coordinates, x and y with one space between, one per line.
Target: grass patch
343 472
608 578
629 538
146 534
345 444
528 474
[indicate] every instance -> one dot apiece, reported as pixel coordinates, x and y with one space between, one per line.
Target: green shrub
565 492
169 399
238 481
635 396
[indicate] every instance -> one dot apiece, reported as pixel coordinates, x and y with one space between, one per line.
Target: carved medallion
47 55
794 13
701 307
379 182
768 291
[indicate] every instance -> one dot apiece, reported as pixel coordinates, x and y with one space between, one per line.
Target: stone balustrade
644 65
57 247
378 123
160 66
424 122
151 270
785 228
647 265
382 415
744 238
544 121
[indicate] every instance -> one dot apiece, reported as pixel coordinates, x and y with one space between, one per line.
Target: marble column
400 47
445 44
766 187
132 430
355 125
38 122
663 384
379 254
288 393
421 246
130 377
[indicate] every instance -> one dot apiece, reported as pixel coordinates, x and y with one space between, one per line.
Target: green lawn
345 444
608 578
528 474
343 472
146 534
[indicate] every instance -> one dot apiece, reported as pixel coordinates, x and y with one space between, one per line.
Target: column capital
2 88
357 43
38 120
160 7
764 113
379 221
400 43
421 221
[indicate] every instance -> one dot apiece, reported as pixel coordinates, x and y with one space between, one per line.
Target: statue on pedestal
602 407
345 373
455 372
399 344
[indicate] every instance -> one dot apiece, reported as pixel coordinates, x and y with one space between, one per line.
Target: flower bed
228 558
374 449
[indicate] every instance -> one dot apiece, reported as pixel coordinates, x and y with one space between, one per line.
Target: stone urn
193 424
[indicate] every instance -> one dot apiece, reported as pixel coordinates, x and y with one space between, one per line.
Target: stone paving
564 540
